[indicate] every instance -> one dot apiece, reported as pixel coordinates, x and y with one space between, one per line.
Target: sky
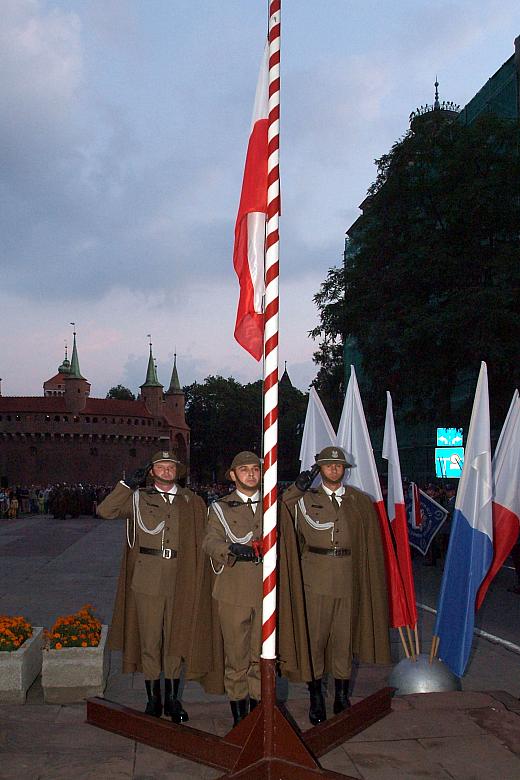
122 145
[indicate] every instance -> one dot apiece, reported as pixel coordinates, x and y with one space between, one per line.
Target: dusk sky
122 144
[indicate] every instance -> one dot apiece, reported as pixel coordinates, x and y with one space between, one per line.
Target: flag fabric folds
397 511
470 549
506 494
425 518
354 438
317 431
249 248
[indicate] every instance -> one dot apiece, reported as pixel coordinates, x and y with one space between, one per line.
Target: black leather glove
138 478
304 480
242 552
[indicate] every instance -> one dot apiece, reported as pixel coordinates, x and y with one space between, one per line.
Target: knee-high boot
341 699
317 712
172 705
154 704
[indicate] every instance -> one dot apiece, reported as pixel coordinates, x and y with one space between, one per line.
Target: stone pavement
51 567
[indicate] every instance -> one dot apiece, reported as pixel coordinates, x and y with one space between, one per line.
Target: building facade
68 436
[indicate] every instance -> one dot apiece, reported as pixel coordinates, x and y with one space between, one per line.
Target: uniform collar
245 499
339 492
171 492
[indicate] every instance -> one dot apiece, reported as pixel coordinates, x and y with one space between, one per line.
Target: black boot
317 713
172 705
341 699
239 709
154 704
252 704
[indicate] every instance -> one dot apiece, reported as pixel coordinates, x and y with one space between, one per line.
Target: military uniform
238 591
344 578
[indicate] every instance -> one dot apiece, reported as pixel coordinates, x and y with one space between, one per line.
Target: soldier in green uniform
343 574
156 596
234 523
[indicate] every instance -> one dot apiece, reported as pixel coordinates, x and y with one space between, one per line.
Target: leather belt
338 552
166 553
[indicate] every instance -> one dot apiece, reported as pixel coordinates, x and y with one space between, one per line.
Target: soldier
234 525
156 594
343 574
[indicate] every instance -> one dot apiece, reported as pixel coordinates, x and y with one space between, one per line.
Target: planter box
20 668
73 674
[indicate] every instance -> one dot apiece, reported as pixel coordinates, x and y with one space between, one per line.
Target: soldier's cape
370 632
293 655
189 592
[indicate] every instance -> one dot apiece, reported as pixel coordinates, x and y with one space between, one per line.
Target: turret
174 399
152 390
77 389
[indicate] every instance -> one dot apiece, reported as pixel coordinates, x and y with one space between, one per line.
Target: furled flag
249 248
354 437
317 431
470 550
397 511
506 494
425 518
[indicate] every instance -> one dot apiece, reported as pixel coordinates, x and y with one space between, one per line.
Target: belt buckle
167 553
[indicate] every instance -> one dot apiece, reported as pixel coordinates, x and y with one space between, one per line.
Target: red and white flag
506 494
397 511
354 437
249 248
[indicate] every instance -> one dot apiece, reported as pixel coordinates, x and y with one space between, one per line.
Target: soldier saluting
156 594
343 574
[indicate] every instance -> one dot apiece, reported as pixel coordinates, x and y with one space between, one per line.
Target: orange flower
58 645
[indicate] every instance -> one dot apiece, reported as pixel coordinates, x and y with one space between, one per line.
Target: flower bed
75 660
20 658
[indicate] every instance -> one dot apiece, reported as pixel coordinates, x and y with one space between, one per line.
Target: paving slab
473 757
403 760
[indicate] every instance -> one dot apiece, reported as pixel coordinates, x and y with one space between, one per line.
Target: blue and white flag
425 518
470 550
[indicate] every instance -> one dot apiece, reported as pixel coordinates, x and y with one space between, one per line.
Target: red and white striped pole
272 254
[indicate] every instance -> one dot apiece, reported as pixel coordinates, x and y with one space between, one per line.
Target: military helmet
244 458
170 456
334 455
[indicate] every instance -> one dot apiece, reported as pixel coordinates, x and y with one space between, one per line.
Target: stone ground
50 567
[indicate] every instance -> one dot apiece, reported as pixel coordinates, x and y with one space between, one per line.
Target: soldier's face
246 478
164 472
332 474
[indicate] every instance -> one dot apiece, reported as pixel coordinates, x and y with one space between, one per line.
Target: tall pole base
266 744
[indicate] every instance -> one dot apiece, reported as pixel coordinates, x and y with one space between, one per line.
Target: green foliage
431 281
225 417
121 392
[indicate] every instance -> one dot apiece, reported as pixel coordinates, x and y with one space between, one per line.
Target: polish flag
506 494
397 511
317 432
249 249
354 438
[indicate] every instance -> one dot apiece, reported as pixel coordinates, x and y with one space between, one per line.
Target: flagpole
270 384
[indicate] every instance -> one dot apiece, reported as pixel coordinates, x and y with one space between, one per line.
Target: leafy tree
225 417
121 392
431 281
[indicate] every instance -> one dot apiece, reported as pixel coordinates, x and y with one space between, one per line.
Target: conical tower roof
151 373
175 386
74 370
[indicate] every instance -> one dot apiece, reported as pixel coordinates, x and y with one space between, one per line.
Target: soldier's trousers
155 616
330 634
242 634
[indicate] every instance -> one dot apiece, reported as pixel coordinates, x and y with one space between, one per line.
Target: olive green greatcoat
191 589
359 576
293 655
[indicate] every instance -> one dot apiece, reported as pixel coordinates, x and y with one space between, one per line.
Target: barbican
68 436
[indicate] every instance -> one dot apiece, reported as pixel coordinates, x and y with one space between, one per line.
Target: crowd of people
59 500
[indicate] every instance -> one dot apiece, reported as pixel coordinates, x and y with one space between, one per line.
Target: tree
225 417
431 281
121 393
